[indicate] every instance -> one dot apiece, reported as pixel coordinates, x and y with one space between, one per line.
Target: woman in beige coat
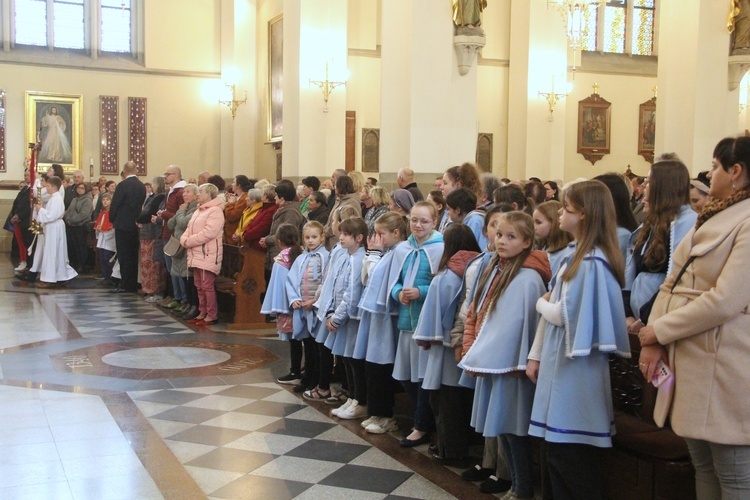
700 326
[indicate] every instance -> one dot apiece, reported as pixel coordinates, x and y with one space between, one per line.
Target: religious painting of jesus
54 120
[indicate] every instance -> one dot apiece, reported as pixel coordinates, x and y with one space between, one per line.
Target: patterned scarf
713 207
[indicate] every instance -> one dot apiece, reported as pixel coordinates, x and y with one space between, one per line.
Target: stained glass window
68 24
589 36
622 26
614 27
643 28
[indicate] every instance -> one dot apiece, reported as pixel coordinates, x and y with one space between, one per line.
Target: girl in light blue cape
584 322
344 322
503 321
669 218
643 280
338 263
303 285
408 287
378 330
449 401
276 300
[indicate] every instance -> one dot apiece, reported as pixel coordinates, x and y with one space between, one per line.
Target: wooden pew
242 278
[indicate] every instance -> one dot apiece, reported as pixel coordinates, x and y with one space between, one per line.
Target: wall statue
739 25
467 16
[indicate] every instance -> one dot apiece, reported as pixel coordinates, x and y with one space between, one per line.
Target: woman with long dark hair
669 217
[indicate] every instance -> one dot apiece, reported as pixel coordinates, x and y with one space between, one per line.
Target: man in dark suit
126 207
20 219
405 180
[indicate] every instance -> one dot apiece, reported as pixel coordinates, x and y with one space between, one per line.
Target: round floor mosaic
165 358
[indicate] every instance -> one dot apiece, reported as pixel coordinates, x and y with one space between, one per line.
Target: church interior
106 397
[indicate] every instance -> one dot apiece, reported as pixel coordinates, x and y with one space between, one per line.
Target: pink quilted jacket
204 237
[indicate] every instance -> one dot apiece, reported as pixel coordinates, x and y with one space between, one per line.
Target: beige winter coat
705 322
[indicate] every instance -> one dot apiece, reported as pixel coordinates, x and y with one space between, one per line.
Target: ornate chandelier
576 13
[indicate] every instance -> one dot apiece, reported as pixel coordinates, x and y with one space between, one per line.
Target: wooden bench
239 287
646 461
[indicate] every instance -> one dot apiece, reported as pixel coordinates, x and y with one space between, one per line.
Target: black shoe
450 462
495 485
476 473
411 443
118 290
30 277
302 387
290 378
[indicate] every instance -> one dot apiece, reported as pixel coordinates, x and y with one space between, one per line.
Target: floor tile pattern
248 438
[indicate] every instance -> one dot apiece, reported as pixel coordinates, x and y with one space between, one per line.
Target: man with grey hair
405 180
124 210
167 209
70 191
335 175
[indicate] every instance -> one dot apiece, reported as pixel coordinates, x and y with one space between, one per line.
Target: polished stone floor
104 396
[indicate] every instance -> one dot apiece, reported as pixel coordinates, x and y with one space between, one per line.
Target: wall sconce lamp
326 86
234 103
552 98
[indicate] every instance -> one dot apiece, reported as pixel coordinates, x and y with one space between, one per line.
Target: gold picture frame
56 121
647 129
594 124
276 78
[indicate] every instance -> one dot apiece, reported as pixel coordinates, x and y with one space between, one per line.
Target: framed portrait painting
594 127
276 78
55 121
647 129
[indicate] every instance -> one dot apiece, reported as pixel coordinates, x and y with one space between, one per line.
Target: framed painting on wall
647 129
275 78
55 120
594 127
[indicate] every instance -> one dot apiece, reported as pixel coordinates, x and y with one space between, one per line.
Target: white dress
51 257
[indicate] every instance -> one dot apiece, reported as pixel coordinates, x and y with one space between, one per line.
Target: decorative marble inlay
108 133
163 359
137 133
166 358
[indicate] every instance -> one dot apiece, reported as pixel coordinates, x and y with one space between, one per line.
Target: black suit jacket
21 208
126 204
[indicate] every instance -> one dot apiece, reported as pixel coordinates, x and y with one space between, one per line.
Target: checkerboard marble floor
252 440
211 423
96 315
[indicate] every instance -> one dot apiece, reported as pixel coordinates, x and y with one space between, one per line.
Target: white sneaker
335 412
382 425
21 266
368 421
353 412
154 298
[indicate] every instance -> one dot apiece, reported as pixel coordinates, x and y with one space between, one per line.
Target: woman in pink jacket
203 239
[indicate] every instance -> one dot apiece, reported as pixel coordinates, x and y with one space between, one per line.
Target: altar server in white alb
51 259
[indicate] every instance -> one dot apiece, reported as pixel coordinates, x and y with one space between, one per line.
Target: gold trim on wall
275 78
61 137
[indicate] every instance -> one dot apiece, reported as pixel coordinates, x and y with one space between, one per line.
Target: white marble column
314 34
695 107
238 63
538 52
428 110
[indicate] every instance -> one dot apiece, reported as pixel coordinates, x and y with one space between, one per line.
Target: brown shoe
44 284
